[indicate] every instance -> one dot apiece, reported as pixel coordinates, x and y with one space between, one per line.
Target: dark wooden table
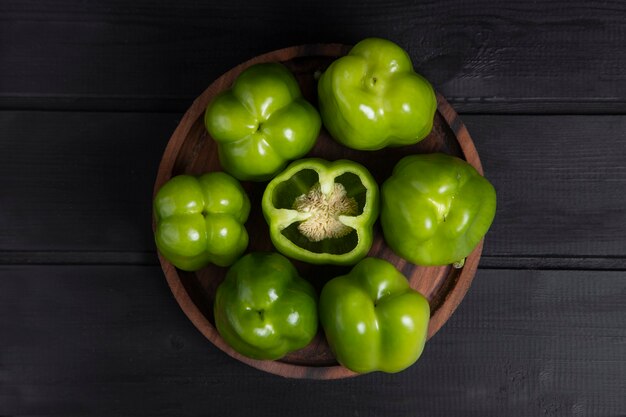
90 93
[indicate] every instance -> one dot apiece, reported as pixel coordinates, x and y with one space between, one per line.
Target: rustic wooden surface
90 92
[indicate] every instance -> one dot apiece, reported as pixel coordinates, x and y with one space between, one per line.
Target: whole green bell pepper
373 98
372 319
435 209
322 212
262 122
200 220
263 309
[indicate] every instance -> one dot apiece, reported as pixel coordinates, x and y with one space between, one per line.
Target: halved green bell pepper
435 209
263 309
373 98
262 122
322 212
372 319
200 220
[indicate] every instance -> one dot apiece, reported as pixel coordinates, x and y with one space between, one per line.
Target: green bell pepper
322 212
200 220
373 98
263 309
435 209
372 319
262 122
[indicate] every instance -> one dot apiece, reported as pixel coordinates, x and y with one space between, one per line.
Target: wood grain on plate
192 151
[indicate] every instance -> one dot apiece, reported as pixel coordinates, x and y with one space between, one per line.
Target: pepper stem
459 264
325 210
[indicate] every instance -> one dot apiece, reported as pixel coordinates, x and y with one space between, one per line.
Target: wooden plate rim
457 290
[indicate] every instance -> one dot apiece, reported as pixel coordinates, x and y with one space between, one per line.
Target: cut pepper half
322 212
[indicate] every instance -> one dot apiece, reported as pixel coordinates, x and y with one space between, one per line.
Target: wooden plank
110 340
79 181
561 185
542 56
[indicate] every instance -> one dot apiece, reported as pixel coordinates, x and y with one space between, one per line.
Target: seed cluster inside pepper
325 209
322 212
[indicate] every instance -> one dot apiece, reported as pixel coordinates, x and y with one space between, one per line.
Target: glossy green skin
435 209
279 219
200 220
262 122
372 97
372 319
263 309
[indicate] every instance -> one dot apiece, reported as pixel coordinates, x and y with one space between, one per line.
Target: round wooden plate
192 151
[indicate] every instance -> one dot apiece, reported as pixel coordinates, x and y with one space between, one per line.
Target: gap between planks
582 263
170 104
